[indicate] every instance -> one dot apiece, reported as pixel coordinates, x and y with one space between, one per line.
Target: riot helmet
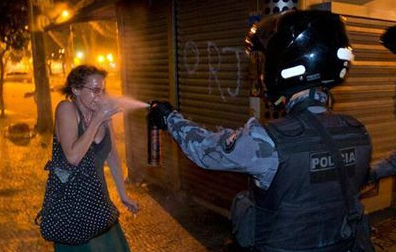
301 49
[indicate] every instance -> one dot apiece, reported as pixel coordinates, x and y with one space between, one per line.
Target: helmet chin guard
302 49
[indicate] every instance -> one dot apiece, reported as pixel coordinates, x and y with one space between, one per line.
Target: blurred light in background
107 62
65 14
80 55
101 59
110 57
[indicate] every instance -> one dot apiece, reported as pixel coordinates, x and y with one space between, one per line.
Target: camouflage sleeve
247 150
384 168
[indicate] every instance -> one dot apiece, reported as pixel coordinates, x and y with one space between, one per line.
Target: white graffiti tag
191 59
214 66
191 48
238 52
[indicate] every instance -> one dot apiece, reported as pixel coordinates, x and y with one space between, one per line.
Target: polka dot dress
75 207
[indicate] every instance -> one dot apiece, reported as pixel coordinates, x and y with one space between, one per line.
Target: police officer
307 168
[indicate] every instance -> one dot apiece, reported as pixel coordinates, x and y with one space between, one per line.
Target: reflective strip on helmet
293 71
345 54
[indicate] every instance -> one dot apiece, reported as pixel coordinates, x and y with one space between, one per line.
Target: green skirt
112 240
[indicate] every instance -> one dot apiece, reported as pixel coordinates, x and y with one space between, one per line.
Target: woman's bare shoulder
66 109
65 106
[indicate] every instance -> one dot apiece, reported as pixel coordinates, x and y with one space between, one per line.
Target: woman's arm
114 163
66 127
75 147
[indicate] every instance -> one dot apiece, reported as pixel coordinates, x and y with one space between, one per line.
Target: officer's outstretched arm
248 149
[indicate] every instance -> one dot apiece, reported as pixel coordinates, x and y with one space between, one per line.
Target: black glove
158 113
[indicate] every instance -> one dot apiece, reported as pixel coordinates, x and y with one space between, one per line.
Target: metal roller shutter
213 83
369 92
144 43
369 95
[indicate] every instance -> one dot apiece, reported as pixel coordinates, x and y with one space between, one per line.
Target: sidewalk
165 224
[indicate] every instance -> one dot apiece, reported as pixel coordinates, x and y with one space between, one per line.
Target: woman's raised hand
106 109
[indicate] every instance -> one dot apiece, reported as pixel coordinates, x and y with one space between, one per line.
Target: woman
86 110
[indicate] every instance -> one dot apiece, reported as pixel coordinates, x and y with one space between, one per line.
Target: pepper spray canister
153 143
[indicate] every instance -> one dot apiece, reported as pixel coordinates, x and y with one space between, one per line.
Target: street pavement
165 223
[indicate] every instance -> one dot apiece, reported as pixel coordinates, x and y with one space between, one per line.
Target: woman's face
93 91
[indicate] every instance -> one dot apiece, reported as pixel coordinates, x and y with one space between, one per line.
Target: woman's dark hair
78 77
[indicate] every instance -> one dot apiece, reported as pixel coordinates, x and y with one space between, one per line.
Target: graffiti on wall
214 60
